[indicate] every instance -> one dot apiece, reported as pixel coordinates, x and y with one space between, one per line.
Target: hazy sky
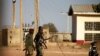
49 11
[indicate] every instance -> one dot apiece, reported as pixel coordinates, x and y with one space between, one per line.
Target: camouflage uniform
29 44
38 44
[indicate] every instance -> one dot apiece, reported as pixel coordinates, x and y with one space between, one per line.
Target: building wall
0 22
4 37
60 37
81 26
10 37
14 37
0 38
74 28
0 14
67 37
46 34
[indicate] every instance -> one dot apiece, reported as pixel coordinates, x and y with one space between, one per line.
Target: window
97 37
96 25
89 36
88 25
92 26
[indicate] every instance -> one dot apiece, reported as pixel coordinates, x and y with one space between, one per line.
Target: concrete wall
10 37
14 37
60 37
46 34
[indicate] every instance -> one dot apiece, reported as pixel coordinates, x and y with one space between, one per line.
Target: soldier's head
93 43
31 31
40 29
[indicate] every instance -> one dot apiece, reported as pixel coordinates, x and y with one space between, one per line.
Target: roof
80 8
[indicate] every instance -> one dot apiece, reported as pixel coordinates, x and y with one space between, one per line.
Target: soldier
39 42
29 47
93 49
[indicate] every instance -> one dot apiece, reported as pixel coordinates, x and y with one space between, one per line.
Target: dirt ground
54 49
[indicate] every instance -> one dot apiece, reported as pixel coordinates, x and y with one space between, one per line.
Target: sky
50 11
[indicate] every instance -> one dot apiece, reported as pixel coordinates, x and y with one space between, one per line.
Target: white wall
81 28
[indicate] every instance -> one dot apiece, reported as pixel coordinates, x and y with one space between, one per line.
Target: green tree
51 27
96 8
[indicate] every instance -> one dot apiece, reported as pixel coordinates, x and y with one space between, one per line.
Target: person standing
29 47
39 42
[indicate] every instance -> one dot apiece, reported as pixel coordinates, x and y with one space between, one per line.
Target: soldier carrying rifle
39 42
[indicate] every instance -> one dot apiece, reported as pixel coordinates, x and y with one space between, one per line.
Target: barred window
97 36
96 25
89 36
88 25
92 26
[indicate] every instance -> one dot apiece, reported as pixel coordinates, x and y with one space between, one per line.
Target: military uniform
39 43
29 47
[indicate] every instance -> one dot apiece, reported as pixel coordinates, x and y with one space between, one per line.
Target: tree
96 8
51 27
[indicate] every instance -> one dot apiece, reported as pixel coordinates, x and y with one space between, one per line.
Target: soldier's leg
37 51
26 51
40 51
30 50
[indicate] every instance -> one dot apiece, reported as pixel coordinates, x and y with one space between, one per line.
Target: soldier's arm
44 43
35 38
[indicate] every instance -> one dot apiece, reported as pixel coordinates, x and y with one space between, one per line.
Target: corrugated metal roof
82 8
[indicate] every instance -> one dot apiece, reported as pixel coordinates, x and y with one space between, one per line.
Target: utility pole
21 25
14 18
36 19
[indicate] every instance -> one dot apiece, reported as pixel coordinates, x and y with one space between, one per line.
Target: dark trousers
39 51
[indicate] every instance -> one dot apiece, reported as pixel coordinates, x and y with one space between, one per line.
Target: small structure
85 23
11 37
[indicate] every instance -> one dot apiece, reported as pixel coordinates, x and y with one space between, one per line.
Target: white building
85 23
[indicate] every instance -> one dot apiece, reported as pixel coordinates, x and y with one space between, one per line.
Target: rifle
44 44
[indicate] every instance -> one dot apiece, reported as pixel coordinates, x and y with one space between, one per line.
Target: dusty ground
54 49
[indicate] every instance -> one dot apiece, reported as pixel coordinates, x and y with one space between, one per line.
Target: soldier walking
29 47
39 42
